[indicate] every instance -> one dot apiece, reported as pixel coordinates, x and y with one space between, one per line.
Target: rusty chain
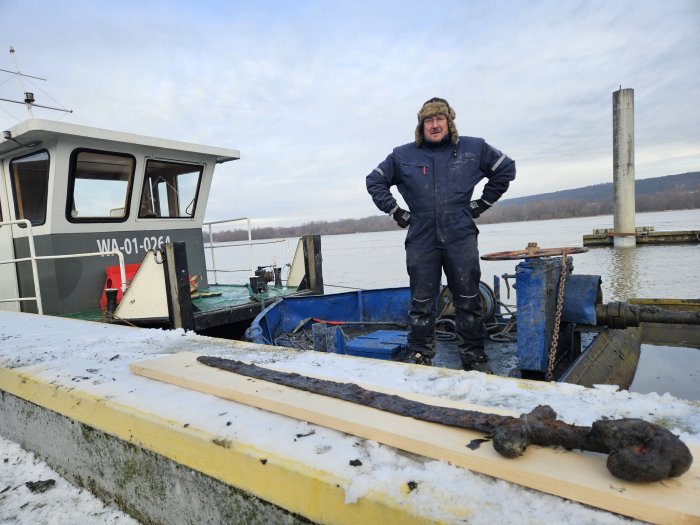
557 318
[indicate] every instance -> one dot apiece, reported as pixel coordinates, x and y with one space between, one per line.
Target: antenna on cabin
29 100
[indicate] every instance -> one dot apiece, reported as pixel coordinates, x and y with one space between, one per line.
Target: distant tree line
367 224
673 192
563 209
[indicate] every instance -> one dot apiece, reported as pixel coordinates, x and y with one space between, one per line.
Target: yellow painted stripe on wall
289 484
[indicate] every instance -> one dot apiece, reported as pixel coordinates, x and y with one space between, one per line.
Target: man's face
435 128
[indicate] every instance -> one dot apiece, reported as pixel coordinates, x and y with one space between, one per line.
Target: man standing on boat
436 175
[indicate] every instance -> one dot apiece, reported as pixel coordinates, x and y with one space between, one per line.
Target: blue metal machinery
549 305
538 282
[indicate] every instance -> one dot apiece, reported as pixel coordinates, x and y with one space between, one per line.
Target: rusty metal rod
638 450
655 314
619 315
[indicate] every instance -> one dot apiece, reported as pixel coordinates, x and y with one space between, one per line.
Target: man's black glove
478 207
402 217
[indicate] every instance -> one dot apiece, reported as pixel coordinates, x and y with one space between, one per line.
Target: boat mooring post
623 168
177 286
111 295
313 263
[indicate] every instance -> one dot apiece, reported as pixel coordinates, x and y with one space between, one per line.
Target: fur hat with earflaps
437 106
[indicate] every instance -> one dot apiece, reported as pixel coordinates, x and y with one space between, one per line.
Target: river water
377 260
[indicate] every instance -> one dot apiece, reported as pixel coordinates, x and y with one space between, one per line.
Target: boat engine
264 275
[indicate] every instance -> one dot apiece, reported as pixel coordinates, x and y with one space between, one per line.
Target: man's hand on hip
478 207
402 217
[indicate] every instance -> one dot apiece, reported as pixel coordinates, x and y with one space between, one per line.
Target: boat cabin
68 190
81 210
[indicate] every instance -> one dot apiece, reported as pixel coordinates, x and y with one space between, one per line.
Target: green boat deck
215 306
221 296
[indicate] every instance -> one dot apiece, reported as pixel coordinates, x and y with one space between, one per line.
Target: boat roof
32 130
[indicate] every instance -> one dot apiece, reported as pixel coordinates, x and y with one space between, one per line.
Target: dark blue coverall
437 181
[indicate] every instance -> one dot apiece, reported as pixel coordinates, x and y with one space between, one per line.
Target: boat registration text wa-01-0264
132 245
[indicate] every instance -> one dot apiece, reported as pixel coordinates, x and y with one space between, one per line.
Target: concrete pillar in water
623 167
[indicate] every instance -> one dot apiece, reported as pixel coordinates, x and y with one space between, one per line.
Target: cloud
316 94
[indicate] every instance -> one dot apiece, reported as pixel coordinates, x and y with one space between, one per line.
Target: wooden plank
574 475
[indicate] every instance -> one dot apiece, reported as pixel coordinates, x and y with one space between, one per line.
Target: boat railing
33 258
211 246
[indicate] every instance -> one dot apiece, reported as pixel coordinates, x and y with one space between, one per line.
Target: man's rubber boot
422 359
478 362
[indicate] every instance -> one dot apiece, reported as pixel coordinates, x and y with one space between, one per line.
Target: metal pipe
250 247
21 81
33 258
211 251
249 242
621 315
117 253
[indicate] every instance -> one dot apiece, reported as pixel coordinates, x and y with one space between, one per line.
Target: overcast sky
315 94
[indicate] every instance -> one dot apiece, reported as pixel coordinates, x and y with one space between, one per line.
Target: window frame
71 187
15 194
197 167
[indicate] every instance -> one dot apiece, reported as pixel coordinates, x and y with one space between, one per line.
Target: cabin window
170 190
99 186
30 186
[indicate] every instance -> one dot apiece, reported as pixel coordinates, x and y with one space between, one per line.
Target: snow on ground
94 358
60 503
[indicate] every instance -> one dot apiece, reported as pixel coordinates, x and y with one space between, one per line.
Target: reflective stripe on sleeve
379 170
498 162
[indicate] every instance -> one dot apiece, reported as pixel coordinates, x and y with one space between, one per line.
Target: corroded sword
637 450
